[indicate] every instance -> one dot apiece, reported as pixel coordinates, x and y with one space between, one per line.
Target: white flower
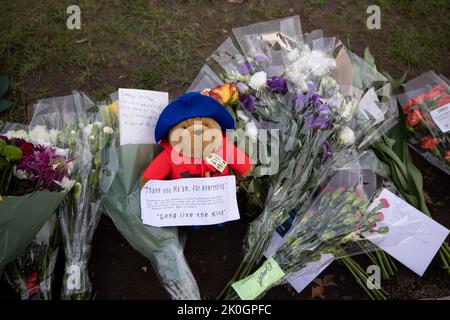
98 124
52 136
87 130
347 110
73 132
258 80
20 174
92 137
241 115
347 136
40 135
108 130
18 134
66 184
251 130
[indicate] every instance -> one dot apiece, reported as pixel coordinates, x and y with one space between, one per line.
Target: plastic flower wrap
34 180
32 274
340 221
88 133
161 246
426 105
320 103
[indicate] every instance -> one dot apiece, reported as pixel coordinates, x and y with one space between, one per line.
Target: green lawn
161 45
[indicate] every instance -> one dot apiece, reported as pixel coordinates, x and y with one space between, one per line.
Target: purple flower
326 150
259 58
277 84
245 68
317 122
249 101
323 109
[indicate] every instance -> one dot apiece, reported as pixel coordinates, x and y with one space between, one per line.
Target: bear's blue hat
191 105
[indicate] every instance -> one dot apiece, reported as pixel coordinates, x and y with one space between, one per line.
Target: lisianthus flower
245 68
318 122
347 136
277 84
414 117
242 87
258 80
251 130
248 101
429 142
326 150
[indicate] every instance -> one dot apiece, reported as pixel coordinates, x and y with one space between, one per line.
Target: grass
161 45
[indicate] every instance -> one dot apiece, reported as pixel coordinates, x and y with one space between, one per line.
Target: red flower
429 142
419 99
384 202
447 155
408 106
26 147
32 283
414 117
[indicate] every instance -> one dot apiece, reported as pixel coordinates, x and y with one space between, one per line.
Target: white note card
441 116
299 280
413 237
189 201
138 112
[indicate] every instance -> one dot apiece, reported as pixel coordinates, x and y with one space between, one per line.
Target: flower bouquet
324 103
426 104
88 132
35 179
32 274
160 245
340 221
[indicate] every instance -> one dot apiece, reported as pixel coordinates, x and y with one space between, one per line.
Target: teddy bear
191 132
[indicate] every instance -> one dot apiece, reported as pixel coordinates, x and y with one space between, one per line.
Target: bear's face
196 137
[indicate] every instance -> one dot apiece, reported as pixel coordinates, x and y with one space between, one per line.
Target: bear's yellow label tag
216 161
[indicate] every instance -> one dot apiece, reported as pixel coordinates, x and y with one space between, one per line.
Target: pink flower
311 213
380 216
329 189
384 202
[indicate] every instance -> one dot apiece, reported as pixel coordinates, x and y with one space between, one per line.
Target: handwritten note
190 201
138 112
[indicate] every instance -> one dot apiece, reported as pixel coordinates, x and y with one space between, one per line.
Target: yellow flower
226 94
114 107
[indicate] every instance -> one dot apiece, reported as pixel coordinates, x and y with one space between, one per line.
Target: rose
414 117
429 142
226 94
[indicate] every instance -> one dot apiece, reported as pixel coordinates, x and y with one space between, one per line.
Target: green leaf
4 85
5 104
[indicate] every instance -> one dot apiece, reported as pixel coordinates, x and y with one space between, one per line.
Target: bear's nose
198 132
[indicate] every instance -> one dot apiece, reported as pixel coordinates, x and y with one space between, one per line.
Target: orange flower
447 155
408 106
413 117
429 142
225 94
419 99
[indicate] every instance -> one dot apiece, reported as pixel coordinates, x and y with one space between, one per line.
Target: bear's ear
211 123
